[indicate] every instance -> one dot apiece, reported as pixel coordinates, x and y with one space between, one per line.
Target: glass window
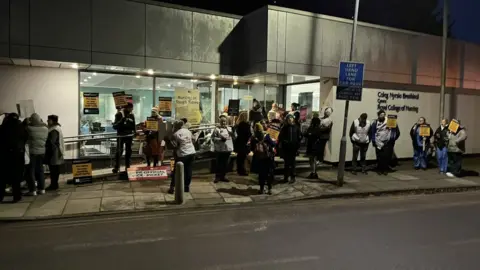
304 94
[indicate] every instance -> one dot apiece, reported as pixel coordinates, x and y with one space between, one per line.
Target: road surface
409 232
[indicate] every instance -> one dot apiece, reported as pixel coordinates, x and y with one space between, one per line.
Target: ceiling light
94 73
89 77
74 65
138 76
213 77
235 83
169 85
256 81
179 83
85 80
81 82
150 72
194 80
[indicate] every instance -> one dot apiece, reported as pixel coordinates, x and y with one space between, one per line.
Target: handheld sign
274 130
453 126
151 124
424 131
82 172
165 106
391 121
90 103
120 99
233 107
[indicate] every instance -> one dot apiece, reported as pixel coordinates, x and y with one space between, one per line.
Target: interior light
94 73
81 82
179 83
213 77
256 81
138 76
89 77
74 65
85 80
194 80
150 71
169 85
235 83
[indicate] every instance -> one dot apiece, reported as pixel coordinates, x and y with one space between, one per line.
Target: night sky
465 13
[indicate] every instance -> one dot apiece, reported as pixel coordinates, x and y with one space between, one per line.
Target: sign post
351 87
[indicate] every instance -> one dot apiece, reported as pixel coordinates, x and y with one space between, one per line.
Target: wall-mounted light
85 80
74 65
194 80
138 76
89 77
179 83
235 83
256 80
81 82
150 72
213 77
94 73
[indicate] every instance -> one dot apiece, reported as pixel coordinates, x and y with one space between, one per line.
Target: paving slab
13 210
390 185
40 208
202 189
140 184
117 193
118 203
213 195
402 176
150 201
341 190
96 186
238 200
116 186
148 191
86 194
81 206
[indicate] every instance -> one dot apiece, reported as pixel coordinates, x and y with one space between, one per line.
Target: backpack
261 150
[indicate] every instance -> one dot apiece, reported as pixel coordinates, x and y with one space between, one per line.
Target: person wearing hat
124 124
383 139
55 150
222 138
154 147
289 142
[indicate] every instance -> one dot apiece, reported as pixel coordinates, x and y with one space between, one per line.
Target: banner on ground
82 172
187 105
91 103
148 173
165 106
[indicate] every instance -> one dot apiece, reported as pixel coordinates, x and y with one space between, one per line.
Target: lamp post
444 59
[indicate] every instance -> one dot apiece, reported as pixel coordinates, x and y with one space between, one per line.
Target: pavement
395 232
112 196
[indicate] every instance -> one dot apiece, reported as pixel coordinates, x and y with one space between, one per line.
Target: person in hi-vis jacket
360 138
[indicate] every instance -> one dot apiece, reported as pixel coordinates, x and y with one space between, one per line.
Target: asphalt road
418 232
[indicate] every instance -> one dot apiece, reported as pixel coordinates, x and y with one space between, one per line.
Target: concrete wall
311 44
114 32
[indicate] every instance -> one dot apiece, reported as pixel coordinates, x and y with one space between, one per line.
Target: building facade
53 51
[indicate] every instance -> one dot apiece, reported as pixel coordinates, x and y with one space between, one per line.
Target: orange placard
424 131
391 121
453 126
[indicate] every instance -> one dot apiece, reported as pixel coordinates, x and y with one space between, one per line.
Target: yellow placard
120 99
392 121
274 130
247 97
151 124
424 131
165 106
90 100
453 126
187 105
82 170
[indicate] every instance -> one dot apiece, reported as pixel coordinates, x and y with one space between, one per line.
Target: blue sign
350 81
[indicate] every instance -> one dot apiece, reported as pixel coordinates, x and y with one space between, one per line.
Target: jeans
384 157
359 148
419 158
36 173
187 170
290 163
54 175
455 163
14 169
221 162
442 159
128 151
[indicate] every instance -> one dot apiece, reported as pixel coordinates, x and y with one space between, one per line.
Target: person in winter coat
37 138
154 147
222 138
326 124
295 112
313 145
182 141
273 113
441 143
383 139
256 113
243 134
13 138
360 138
55 151
124 124
289 142
420 144
262 161
456 149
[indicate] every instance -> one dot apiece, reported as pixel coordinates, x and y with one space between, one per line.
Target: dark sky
465 13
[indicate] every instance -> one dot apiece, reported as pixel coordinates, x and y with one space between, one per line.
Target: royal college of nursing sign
350 81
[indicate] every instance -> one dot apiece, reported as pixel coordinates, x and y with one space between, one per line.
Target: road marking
264 263
466 242
110 244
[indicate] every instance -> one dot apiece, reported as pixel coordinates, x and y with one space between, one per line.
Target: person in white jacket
359 136
223 146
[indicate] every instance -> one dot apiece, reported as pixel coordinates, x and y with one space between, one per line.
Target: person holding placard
421 133
154 146
289 142
384 133
457 136
359 136
124 124
222 138
441 143
182 142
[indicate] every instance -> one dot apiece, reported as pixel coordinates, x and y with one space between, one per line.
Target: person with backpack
313 145
359 136
289 142
262 147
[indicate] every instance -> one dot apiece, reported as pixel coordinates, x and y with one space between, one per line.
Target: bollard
179 183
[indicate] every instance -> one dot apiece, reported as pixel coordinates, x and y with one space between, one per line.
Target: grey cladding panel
4 21
335 42
169 33
209 31
60 24
304 37
118 27
19 22
272 41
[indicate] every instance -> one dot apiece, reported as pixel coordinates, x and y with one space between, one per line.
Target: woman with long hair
420 143
313 146
262 147
243 133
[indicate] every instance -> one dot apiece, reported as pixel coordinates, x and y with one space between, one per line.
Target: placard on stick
120 99
424 131
151 124
82 172
91 103
453 126
165 106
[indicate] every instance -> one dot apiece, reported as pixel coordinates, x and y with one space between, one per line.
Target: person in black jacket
289 142
243 134
313 145
13 137
441 143
360 138
125 126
